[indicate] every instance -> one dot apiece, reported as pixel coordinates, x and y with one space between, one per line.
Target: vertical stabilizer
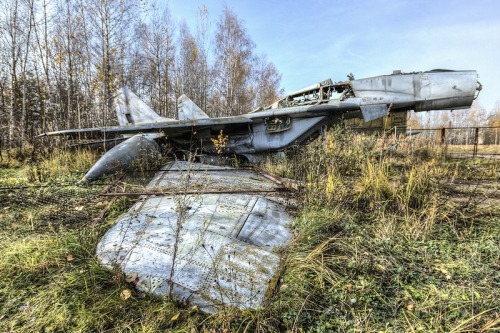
187 110
131 110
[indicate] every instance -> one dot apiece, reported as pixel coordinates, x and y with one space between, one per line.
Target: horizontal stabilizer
188 110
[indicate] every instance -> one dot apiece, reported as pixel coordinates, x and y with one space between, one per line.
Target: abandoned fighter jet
296 119
211 236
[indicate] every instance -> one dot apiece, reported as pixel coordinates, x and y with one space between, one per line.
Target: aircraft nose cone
122 156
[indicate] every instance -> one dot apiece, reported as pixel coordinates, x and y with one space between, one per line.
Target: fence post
476 141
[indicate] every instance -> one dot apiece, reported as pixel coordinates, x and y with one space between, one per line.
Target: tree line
61 62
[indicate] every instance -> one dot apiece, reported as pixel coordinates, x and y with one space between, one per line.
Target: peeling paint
210 250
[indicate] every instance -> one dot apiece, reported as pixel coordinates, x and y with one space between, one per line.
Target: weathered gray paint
300 128
221 247
187 110
130 110
374 111
434 90
372 97
123 155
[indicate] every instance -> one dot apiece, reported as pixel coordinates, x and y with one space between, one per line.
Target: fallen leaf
125 294
175 316
410 306
131 277
69 257
348 287
79 208
443 270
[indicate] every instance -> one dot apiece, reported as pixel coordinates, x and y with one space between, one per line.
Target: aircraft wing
169 128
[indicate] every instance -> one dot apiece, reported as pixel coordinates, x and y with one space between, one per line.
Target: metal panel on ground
208 240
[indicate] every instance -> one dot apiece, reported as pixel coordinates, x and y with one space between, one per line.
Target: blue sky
310 41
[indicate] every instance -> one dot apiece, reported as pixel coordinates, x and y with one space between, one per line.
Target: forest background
61 62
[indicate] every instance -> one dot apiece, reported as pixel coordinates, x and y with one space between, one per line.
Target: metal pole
476 141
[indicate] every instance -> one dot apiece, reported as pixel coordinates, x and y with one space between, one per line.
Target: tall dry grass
384 242
375 241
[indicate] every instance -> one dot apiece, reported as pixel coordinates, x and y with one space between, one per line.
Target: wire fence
48 207
454 142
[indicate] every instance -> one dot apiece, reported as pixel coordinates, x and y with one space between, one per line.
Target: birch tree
233 65
12 55
159 53
267 83
111 22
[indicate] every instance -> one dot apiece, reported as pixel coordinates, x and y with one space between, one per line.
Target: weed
373 184
63 166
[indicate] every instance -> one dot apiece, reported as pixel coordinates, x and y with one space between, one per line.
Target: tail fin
131 110
187 110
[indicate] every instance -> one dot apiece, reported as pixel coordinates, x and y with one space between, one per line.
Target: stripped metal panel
207 249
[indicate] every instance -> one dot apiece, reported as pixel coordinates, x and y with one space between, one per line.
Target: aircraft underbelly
209 241
300 128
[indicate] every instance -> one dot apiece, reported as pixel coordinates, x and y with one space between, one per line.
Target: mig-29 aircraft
295 119
211 235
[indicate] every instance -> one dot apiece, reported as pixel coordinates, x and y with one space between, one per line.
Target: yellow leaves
175 316
59 58
220 143
444 268
12 181
125 294
194 55
101 75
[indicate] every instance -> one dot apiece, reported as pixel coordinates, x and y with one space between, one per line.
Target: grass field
384 243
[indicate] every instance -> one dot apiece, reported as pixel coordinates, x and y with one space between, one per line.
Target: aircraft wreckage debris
212 249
